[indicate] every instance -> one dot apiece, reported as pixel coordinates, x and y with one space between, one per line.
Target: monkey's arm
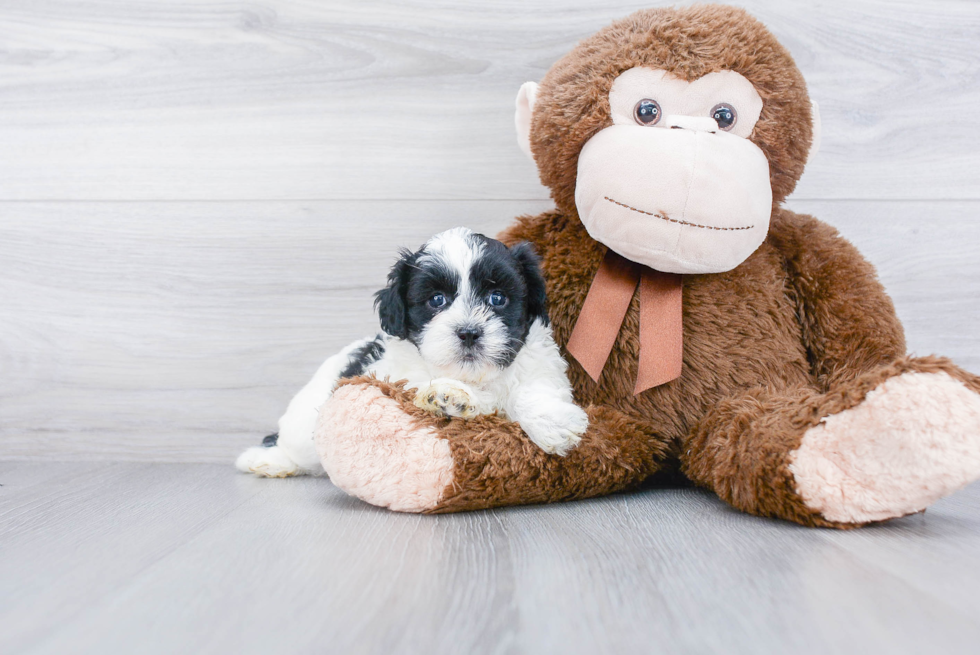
848 322
376 445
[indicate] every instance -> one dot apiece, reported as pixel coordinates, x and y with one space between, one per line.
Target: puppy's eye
437 301
725 115
647 112
497 299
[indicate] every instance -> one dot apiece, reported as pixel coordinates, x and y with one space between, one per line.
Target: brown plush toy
748 347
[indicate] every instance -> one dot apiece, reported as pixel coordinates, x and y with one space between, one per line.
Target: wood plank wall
197 198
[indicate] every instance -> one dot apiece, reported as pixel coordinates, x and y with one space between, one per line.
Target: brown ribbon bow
661 323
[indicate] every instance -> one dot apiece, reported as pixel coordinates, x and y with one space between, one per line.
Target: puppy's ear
537 295
390 301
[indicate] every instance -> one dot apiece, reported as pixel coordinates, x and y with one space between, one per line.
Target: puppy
465 323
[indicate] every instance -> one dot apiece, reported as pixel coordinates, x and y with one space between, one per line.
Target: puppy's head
466 301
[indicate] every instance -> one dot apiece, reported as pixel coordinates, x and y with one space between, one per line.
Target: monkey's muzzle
676 200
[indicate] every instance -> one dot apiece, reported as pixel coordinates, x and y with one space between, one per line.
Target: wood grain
291 99
160 558
169 330
88 531
179 331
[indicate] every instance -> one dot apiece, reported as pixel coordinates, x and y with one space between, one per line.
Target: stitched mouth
680 222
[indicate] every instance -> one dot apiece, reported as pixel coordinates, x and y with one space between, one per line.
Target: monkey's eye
497 299
437 301
647 112
725 115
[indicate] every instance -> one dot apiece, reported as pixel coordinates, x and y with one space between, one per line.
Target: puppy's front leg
447 397
555 426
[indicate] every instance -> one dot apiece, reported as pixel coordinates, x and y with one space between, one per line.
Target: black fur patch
390 301
537 296
363 357
423 283
516 273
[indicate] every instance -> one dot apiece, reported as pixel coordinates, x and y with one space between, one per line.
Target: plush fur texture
788 357
382 457
912 441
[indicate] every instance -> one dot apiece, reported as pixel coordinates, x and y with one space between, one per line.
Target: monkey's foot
446 397
913 440
373 448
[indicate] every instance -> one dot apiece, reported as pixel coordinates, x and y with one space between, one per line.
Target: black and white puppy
465 322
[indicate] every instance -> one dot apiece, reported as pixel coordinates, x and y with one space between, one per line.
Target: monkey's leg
885 444
378 446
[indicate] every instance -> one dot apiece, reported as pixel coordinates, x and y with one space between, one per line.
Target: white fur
455 248
269 463
440 346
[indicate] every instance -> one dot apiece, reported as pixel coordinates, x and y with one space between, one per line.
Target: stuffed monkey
708 329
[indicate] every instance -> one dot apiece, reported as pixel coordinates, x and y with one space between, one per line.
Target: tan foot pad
446 399
371 448
914 439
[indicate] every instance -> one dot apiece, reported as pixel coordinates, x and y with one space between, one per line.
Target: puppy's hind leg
291 451
267 460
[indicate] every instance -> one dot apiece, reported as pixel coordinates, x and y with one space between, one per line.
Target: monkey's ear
522 118
537 294
815 140
390 301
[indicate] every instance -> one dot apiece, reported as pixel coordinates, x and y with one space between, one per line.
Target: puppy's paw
445 397
266 462
556 429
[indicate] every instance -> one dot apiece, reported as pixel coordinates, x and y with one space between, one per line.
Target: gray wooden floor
196 558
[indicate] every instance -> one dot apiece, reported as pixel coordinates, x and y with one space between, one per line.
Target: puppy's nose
469 335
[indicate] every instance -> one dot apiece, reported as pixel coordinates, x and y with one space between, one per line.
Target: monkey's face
671 134
674 183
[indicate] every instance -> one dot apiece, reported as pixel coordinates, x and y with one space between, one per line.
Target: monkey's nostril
469 336
691 123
